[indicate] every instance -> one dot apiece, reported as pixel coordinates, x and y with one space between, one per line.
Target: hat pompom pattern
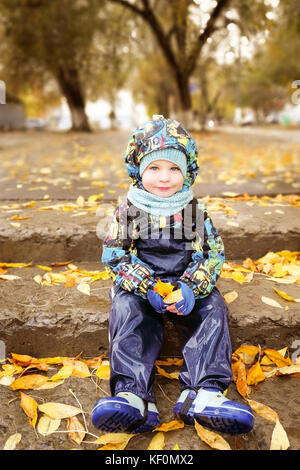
159 134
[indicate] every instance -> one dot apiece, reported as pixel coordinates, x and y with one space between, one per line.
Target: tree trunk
68 79
185 115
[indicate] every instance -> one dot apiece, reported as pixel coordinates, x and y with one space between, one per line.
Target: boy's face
162 178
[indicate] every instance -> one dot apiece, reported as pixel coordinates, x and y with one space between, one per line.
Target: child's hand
186 305
156 301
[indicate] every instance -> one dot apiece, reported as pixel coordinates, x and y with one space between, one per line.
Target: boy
161 232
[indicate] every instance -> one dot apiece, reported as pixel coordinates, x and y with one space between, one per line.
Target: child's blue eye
174 168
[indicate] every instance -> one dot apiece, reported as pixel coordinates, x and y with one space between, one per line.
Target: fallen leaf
59 410
84 288
171 375
157 442
284 295
247 353
176 447
240 377
12 441
63 373
279 440
29 382
230 296
211 438
277 358
255 374
271 302
47 425
170 426
29 405
113 438
103 372
76 430
264 411
288 370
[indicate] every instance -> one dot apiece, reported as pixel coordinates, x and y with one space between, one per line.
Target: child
161 160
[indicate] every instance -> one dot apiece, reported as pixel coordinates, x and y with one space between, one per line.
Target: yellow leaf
84 288
76 429
255 375
284 295
113 438
264 411
171 375
29 405
277 358
103 372
176 447
173 297
63 373
247 353
239 376
163 288
95 197
211 438
45 268
29 382
271 302
288 370
47 425
170 361
230 296
10 369
59 410
157 442
79 368
170 426
12 441
48 385
279 440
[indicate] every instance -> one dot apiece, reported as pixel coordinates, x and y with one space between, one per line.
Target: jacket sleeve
208 256
120 260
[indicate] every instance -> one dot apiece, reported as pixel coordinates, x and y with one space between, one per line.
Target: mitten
156 301
186 305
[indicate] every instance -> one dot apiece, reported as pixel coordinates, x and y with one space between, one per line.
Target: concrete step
63 230
45 320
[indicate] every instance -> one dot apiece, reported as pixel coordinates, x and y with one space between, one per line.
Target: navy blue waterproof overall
137 330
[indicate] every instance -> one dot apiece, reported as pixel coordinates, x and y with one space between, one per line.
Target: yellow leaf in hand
163 288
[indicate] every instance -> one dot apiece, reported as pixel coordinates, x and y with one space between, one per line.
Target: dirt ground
279 393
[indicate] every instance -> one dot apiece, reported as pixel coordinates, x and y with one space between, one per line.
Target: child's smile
162 178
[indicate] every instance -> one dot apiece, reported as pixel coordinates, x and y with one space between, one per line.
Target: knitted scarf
159 205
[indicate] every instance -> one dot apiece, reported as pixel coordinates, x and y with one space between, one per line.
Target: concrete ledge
51 320
69 232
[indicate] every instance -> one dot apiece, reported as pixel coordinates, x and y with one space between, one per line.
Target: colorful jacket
141 248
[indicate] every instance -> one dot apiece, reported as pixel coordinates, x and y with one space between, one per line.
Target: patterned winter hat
158 134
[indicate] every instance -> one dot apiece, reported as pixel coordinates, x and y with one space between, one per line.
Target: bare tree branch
202 38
